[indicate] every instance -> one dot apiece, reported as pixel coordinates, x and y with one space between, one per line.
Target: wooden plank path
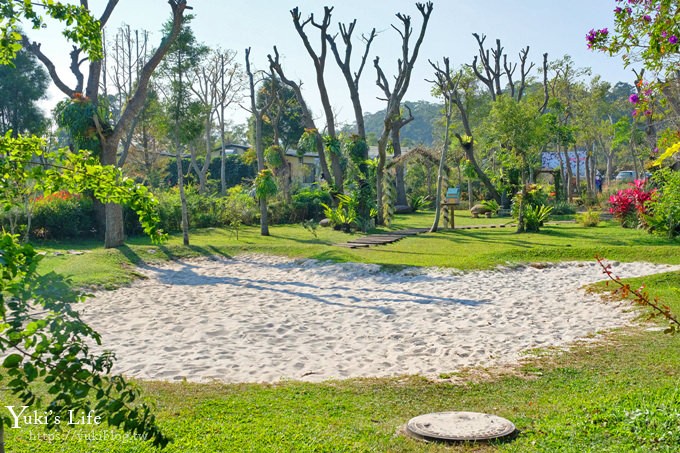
382 238
394 236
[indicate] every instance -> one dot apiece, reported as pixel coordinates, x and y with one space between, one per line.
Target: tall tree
109 135
215 83
517 128
124 58
307 118
448 89
21 86
319 60
183 113
497 74
395 94
564 86
229 90
258 114
345 64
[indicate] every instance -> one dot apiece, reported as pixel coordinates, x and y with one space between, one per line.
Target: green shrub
419 202
307 204
664 207
204 211
62 215
561 207
590 218
343 217
535 217
280 212
491 205
535 196
238 208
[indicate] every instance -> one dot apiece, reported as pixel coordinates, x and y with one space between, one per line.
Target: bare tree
492 69
395 94
229 90
124 59
110 137
397 125
345 64
215 83
319 60
258 115
307 119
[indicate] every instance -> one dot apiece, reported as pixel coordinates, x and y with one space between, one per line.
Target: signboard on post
453 195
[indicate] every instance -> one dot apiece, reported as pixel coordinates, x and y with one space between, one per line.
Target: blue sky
558 28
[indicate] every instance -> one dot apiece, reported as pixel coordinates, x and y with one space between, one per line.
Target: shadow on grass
131 255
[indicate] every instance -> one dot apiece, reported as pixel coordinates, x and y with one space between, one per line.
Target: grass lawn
618 395
462 249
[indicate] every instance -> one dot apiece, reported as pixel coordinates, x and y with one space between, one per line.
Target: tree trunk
2 437
223 162
521 227
578 172
589 185
264 215
610 166
568 175
440 175
470 155
379 172
182 195
399 180
114 233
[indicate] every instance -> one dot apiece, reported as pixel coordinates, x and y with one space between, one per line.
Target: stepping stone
368 240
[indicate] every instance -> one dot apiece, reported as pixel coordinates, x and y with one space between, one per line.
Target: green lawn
619 395
462 249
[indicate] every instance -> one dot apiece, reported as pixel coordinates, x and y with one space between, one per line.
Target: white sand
263 319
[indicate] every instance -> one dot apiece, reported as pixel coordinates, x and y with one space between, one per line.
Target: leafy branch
641 297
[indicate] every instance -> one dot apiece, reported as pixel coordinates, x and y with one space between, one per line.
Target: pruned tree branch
34 48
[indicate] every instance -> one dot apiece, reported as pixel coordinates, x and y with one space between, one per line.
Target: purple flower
629 10
664 34
655 150
618 10
634 99
673 39
648 113
647 18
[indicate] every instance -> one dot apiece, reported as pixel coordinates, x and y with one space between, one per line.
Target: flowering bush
630 205
645 30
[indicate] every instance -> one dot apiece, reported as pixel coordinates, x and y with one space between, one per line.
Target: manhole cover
461 426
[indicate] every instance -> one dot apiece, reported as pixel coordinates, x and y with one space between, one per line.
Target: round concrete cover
459 426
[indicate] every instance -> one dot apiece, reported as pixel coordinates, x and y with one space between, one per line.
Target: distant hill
418 131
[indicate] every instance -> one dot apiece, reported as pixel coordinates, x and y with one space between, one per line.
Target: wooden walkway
394 236
382 238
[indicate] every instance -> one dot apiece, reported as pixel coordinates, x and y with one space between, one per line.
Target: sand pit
264 319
